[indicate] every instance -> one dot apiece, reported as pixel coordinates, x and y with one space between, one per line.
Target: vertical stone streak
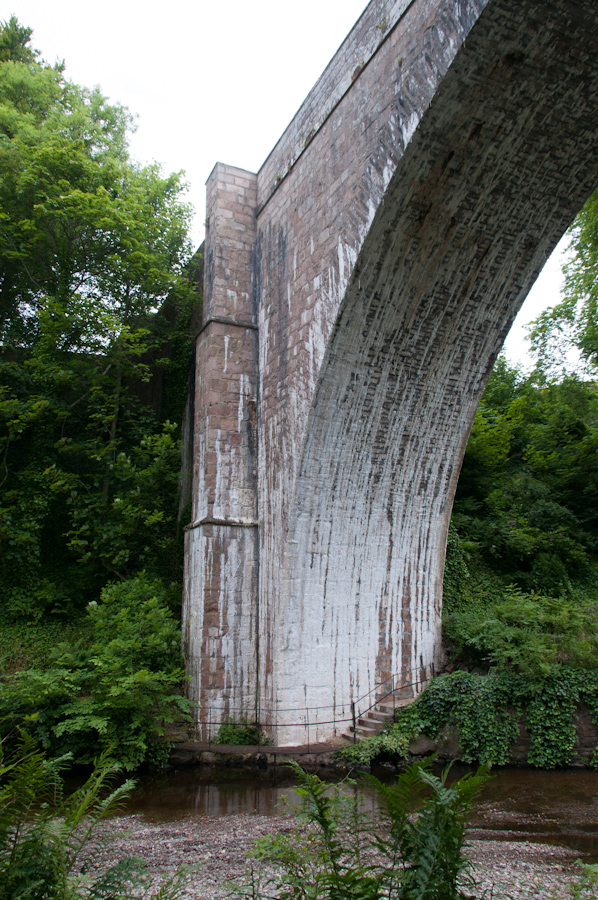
221 558
424 248
401 220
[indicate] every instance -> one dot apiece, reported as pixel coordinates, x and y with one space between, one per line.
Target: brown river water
558 808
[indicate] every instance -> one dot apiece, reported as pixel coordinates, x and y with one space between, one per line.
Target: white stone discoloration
221 659
286 432
221 556
421 193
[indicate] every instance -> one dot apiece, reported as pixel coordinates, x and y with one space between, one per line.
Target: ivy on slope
486 711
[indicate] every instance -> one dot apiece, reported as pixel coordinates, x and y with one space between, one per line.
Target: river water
518 804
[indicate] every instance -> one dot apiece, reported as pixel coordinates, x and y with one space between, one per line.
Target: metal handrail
353 717
392 677
393 690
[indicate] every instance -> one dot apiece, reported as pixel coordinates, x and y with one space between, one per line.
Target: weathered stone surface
422 746
181 758
398 225
220 596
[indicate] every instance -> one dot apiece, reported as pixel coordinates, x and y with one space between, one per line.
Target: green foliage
26 646
521 573
390 744
339 851
239 733
13 42
483 709
456 572
526 507
45 838
550 717
501 627
138 523
486 711
117 688
95 303
574 321
586 886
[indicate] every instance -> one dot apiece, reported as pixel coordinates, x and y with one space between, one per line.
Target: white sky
210 81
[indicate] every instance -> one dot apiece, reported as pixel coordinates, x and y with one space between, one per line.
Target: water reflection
212 792
517 804
548 807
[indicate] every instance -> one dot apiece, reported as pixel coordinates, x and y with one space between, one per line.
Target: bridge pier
383 251
221 551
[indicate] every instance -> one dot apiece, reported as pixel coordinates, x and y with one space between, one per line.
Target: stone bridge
357 290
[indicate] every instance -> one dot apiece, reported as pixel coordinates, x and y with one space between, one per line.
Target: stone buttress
220 591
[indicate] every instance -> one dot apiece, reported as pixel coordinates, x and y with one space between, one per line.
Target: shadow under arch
499 164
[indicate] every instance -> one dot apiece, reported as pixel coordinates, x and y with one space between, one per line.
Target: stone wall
448 746
220 591
397 227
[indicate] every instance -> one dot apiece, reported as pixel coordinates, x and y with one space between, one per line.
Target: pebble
216 847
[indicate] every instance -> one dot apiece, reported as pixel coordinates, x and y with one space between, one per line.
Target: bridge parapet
371 30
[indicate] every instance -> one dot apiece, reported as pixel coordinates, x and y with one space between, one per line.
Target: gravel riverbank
219 845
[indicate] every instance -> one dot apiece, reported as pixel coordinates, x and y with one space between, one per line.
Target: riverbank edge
314 757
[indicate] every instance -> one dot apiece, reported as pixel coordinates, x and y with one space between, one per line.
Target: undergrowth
411 850
486 710
47 840
240 733
116 684
31 645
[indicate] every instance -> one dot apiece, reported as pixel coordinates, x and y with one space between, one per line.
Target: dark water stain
558 808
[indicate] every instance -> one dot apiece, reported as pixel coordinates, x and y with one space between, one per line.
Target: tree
527 497
93 284
573 321
14 39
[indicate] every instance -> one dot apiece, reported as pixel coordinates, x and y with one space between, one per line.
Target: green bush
338 851
498 626
117 688
239 733
44 835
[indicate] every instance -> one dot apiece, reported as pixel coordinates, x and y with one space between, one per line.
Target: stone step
376 715
366 722
389 707
377 718
368 731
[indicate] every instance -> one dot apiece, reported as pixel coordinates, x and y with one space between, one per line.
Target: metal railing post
380 692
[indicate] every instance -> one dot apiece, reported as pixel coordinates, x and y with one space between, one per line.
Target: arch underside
500 163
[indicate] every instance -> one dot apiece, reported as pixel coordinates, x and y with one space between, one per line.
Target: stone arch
492 176
357 291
